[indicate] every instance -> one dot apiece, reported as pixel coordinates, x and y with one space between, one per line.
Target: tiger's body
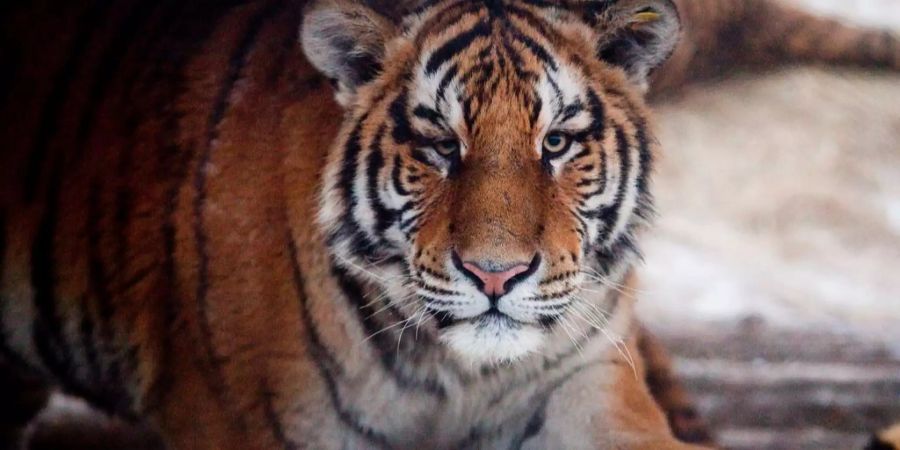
194 231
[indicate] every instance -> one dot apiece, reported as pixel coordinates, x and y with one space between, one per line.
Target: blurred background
773 271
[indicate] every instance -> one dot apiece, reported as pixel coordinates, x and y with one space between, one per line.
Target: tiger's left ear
638 36
345 40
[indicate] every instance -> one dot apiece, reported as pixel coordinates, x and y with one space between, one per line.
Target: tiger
358 224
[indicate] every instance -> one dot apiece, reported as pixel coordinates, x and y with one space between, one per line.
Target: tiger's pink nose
493 283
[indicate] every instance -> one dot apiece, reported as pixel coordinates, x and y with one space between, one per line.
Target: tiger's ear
638 36
345 40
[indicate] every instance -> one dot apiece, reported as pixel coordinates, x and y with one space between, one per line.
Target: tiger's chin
491 340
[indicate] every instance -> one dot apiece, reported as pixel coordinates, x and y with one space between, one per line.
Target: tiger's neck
377 356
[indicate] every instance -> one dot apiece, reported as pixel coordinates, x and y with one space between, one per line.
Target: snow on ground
884 13
779 199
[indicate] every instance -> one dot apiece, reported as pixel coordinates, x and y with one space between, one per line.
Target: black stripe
322 357
533 21
449 75
517 63
410 221
436 290
104 71
434 274
3 238
536 108
534 426
349 228
604 168
384 216
532 46
536 422
609 257
430 115
598 115
582 228
546 4
645 159
48 326
443 318
51 112
403 132
455 46
385 346
484 71
609 215
644 207
407 207
433 301
12 64
558 277
425 6
237 61
96 284
190 22
110 394
470 114
268 397
395 178
453 14
480 433
87 329
571 110
120 358
601 179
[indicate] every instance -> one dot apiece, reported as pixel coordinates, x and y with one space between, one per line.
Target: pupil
555 140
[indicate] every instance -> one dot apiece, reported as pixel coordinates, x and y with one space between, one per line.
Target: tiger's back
108 250
143 203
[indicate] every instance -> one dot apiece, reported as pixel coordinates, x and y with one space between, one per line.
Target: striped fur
195 232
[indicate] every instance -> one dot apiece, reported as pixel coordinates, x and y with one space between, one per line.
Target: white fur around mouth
493 339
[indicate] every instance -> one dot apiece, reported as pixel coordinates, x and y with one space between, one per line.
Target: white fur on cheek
492 342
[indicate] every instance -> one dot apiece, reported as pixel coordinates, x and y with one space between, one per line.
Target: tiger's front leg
607 407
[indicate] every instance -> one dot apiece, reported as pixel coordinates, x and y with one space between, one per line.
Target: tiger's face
493 165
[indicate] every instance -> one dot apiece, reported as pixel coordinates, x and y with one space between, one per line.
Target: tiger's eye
555 142
448 147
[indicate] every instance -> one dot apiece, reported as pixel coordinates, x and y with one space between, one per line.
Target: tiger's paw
70 424
888 439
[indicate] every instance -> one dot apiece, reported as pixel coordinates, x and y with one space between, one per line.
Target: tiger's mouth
482 331
493 314
490 312
493 337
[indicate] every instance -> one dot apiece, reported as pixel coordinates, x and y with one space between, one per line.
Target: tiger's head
493 165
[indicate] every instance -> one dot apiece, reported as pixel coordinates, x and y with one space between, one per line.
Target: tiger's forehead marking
487 64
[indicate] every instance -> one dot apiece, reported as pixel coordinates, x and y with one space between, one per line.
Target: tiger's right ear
638 36
345 40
